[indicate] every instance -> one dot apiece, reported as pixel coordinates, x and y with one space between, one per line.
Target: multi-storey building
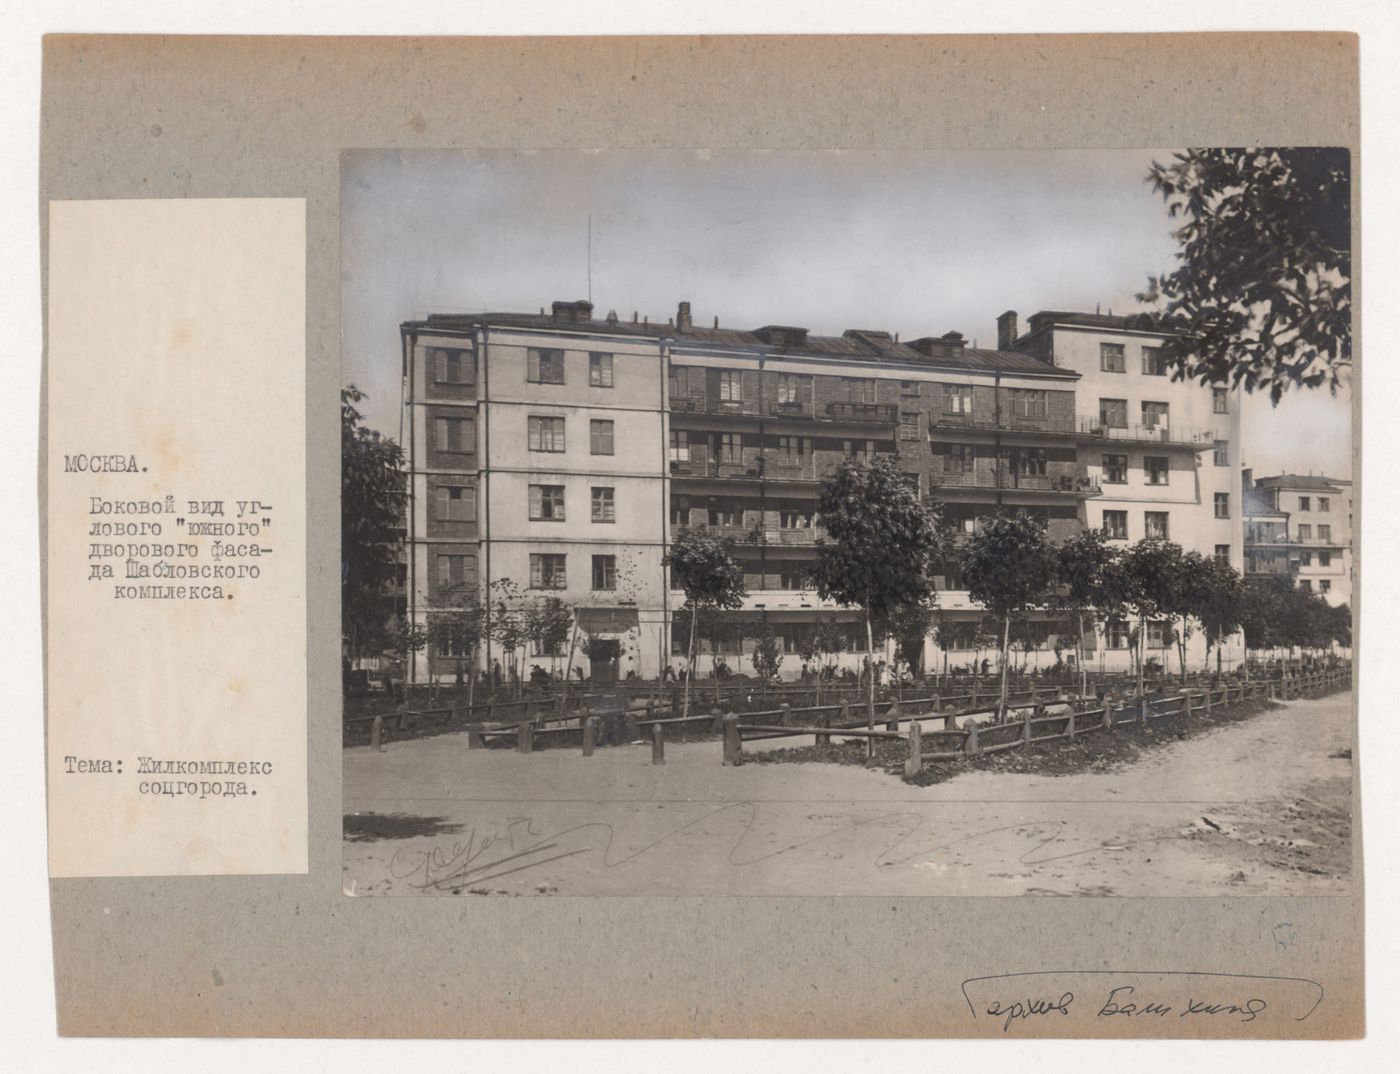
560 454
1300 526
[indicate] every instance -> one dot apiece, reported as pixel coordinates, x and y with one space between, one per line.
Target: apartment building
1300 526
562 453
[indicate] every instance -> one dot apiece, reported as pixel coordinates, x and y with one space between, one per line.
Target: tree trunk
1005 655
1083 671
1142 655
870 688
690 662
1181 649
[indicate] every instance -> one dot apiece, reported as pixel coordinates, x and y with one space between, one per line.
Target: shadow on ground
372 827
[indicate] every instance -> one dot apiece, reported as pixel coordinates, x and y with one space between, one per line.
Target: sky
918 243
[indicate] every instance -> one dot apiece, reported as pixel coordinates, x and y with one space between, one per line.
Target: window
547 503
546 434
1113 413
1222 453
1324 559
1159 635
1111 358
456 503
1304 503
1222 505
1028 462
1305 559
1305 584
604 572
455 569
1028 403
454 434
1115 469
908 387
453 643
600 437
959 459
547 571
792 576
1324 503
680 445
789 389
544 366
1324 586
452 366
958 399
1115 525
680 381
790 449
600 370
908 426
1222 554
728 447
604 507
1156 468
726 513
1116 634
862 391
1324 533
858 450
795 517
731 386
1153 365
1304 532
1220 400
1154 415
1156 525
680 510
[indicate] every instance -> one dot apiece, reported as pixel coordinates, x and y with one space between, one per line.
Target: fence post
658 745
474 739
1069 727
1108 711
950 718
970 746
1209 691
824 721
733 744
629 725
786 716
1026 727
1142 702
717 719
892 717
376 733
525 736
915 764
589 731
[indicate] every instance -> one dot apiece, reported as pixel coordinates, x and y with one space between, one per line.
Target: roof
1133 322
859 345
1297 481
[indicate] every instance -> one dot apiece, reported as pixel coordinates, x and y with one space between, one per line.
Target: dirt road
1258 807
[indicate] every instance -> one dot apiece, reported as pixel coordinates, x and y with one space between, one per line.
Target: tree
1262 610
879 544
1261 296
1009 570
767 656
1185 597
1152 571
703 566
908 625
1217 603
547 625
373 495
1088 568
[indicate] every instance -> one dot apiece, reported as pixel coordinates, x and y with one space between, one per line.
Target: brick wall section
434 389
462 531
437 459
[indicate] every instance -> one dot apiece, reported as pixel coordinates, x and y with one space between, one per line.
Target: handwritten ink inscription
1177 1001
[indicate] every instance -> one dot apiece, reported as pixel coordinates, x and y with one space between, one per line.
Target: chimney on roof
579 312
956 341
683 323
1006 330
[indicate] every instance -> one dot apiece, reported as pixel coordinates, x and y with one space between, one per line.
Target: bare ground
1253 803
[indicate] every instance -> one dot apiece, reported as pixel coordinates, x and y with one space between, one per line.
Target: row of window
1305 532
546 366
548 570
1113 359
1156 468
547 503
547 434
1156 524
1323 585
1324 503
784 449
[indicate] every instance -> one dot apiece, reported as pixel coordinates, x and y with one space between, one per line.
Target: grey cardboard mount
183 117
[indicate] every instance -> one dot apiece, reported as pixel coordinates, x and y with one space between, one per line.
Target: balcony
758 536
1009 423
1077 483
1094 430
863 413
1283 540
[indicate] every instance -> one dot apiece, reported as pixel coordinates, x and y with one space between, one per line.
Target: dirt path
1257 807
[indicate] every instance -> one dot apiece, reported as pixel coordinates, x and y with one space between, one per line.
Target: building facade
557 454
1300 526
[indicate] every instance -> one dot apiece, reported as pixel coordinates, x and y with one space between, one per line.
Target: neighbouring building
1300 526
559 453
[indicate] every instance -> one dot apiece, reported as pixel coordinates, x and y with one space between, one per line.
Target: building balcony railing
771 466
1161 433
1003 479
869 413
764 536
1286 541
1008 423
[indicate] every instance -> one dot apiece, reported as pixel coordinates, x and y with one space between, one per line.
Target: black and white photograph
962 523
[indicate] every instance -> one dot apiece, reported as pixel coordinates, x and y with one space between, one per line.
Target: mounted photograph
899 522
